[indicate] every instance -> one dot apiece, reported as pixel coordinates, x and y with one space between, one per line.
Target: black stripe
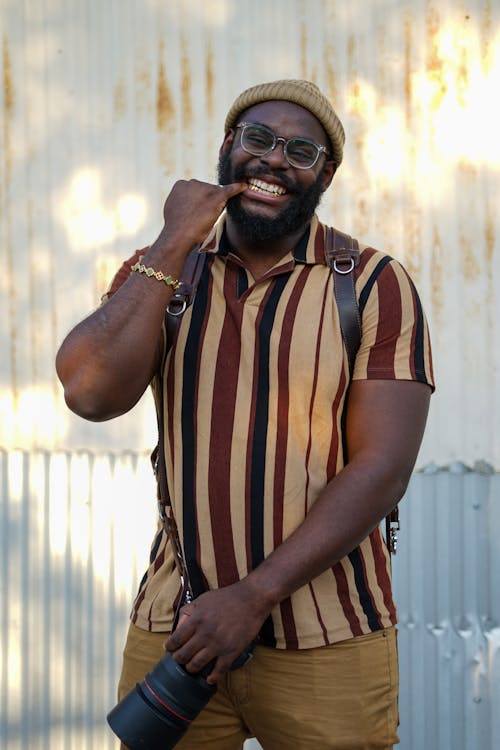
419 353
190 373
242 283
365 293
300 250
261 423
224 246
364 595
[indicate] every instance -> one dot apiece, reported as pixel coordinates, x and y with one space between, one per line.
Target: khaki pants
340 697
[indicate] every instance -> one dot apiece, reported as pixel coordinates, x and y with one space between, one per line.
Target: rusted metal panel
75 535
104 105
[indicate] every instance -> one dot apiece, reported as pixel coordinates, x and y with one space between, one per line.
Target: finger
198 661
233 189
183 632
222 665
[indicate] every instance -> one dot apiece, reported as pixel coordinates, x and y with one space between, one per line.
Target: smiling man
280 466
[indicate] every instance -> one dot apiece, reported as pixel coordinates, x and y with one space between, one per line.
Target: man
282 529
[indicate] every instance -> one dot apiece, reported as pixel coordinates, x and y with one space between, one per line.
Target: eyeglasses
259 140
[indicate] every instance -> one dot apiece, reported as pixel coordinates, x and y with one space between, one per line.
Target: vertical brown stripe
289 630
383 578
283 405
313 394
345 601
221 432
389 325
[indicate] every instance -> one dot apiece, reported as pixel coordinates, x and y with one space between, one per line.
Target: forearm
385 426
106 362
349 508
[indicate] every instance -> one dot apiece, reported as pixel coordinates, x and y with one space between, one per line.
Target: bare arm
385 425
107 361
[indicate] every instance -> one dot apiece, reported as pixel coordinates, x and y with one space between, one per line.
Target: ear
328 171
227 143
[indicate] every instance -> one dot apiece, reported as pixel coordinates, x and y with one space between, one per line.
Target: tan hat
298 91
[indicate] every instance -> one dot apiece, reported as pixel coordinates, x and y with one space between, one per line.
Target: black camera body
156 713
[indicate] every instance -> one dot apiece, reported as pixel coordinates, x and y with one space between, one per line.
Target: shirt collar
310 249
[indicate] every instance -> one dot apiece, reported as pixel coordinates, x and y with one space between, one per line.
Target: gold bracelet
169 281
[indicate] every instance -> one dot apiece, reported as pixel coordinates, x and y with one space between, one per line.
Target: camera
156 713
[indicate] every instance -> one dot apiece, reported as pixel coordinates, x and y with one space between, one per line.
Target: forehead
287 119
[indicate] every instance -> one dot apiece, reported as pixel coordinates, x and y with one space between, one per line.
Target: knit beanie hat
298 91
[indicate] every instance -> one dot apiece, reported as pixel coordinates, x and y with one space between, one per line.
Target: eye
258 137
302 151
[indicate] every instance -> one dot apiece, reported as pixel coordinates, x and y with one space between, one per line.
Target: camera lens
157 711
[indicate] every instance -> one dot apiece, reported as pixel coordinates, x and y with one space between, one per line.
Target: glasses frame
285 141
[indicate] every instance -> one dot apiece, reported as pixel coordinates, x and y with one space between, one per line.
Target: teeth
266 187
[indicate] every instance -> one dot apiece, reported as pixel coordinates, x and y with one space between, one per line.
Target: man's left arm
384 429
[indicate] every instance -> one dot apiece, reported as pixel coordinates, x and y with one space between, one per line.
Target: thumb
233 188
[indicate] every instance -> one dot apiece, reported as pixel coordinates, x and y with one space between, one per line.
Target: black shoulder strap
179 302
342 255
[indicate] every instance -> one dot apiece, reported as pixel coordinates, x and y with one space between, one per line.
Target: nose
277 155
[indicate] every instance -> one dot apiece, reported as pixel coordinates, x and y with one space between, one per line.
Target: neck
260 255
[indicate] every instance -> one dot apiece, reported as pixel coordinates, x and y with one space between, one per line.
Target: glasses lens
256 139
301 153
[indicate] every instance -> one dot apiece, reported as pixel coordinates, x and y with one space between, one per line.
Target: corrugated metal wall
103 105
76 530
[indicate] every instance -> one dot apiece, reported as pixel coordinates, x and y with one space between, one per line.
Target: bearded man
280 465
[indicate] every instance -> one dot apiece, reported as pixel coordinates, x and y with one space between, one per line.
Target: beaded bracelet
159 275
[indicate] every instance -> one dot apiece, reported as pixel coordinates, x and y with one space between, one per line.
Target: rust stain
164 106
463 77
9 107
144 88
8 104
187 110
486 39
437 277
303 42
408 70
119 100
209 77
434 63
489 232
8 88
165 114
470 265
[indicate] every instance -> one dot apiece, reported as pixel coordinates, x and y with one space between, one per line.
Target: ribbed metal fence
75 532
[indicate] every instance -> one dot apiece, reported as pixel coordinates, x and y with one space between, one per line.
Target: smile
265 187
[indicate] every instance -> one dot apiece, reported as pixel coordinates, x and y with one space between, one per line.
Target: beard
292 218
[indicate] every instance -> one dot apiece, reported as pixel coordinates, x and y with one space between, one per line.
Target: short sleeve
395 341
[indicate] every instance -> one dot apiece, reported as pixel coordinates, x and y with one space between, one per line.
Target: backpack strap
342 255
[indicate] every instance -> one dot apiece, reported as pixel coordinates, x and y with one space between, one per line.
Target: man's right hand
193 207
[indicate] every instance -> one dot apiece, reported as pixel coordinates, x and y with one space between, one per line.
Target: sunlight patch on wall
32 419
452 113
90 222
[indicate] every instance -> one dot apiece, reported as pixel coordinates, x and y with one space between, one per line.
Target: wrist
261 591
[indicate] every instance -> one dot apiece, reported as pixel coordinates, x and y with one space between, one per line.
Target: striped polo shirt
254 391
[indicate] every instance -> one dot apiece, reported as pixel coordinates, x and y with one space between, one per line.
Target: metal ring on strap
180 310
345 270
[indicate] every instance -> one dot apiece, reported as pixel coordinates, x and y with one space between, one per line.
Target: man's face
281 199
